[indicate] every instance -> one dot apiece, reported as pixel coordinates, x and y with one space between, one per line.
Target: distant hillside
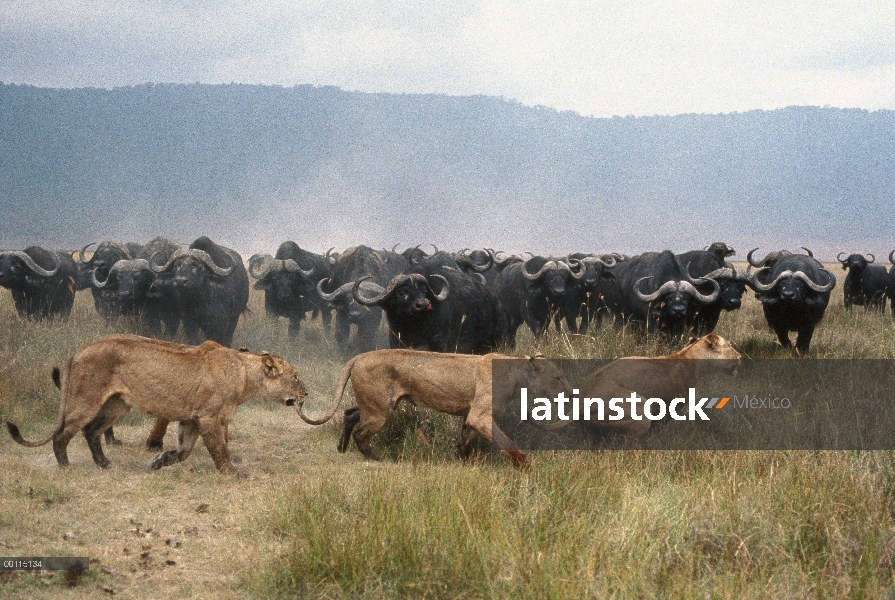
252 166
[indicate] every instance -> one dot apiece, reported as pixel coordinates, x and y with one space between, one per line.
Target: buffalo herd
469 302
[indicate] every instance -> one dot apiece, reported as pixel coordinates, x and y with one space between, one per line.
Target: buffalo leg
342 332
187 434
783 336
326 317
154 441
803 341
294 326
366 335
191 329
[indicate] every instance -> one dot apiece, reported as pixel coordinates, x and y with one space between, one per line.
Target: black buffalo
772 257
106 255
656 292
532 291
438 308
794 294
211 286
42 282
478 263
709 265
141 293
720 250
890 285
583 297
865 285
353 265
289 281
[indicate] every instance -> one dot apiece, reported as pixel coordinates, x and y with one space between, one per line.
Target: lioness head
281 380
545 379
713 346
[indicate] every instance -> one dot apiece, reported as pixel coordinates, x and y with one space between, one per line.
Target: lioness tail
57 427
343 381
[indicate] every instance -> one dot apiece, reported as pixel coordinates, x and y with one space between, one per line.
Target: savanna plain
311 523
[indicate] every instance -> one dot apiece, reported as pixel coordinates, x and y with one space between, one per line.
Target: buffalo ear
270 367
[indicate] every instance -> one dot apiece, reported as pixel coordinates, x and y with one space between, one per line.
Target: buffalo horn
83 250
445 288
752 262
549 265
29 262
292 266
206 259
666 287
343 289
264 260
688 288
384 295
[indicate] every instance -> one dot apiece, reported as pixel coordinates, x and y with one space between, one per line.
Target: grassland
312 523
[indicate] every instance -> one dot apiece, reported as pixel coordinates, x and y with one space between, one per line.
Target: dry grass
312 523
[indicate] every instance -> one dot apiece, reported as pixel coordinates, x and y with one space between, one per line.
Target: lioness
667 377
456 384
200 386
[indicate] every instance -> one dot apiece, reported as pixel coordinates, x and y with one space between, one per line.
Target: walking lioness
456 384
200 386
666 376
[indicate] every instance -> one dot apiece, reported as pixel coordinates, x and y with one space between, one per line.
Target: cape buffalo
733 283
42 282
106 255
720 250
212 289
289 281
890 285
657 292
354 264
583 299
865 284
462 316
532 291
794 294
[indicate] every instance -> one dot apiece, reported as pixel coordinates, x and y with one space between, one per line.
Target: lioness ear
270 367
243 349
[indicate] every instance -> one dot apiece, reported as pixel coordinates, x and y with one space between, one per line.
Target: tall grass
579 525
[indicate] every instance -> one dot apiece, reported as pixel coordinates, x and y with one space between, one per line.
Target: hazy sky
594 57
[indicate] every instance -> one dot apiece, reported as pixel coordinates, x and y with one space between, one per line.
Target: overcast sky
594 57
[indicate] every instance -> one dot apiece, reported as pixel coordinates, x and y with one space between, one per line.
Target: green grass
313 523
